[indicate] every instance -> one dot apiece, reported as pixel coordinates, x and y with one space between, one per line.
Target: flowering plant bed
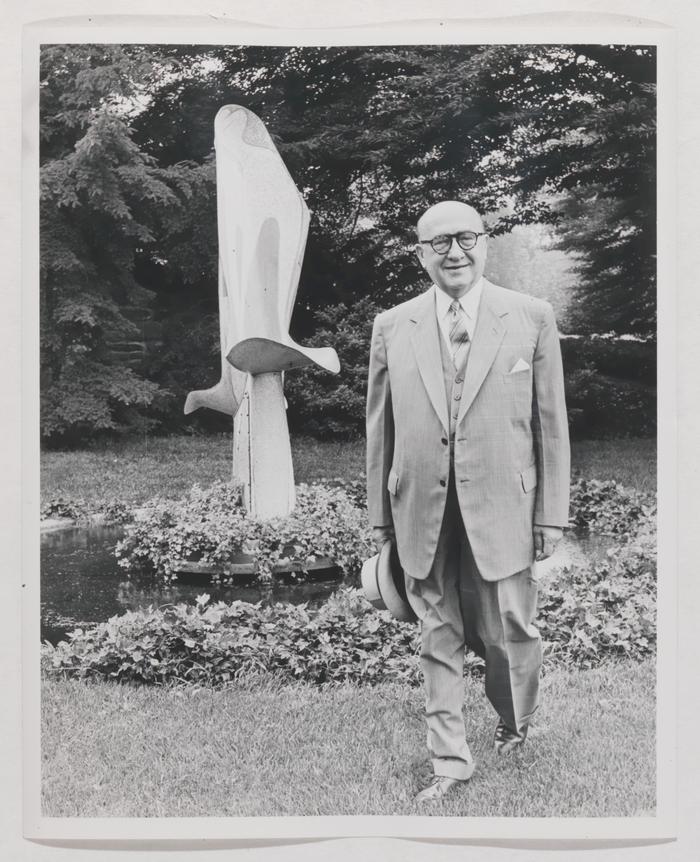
591 613
210 532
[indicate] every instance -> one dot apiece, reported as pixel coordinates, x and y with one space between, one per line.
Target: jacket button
444 441
457 397
459 380
442 482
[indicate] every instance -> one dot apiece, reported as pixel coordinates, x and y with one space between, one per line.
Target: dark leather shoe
505 739
439 787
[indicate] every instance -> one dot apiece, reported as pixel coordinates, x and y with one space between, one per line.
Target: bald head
454 270
450 210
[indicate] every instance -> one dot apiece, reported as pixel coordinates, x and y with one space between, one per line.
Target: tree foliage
319 403
563 135
585 146
103 203
558 134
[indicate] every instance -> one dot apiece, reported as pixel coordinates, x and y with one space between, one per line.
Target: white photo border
160 30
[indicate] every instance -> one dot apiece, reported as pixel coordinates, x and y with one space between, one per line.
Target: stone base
243 568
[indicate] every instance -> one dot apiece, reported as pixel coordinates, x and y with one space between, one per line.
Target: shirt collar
469 302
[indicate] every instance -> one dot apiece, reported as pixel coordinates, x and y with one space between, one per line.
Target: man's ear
418 248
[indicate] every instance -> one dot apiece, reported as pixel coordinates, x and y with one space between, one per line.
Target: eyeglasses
441 244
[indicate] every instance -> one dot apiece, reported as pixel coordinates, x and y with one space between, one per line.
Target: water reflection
82 584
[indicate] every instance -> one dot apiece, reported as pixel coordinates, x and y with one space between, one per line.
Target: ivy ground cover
588 613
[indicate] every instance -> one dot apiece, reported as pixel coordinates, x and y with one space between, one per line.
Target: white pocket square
520 365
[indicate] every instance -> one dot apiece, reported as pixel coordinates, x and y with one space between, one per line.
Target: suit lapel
426 347
489 333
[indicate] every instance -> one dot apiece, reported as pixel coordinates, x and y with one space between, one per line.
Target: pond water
81 583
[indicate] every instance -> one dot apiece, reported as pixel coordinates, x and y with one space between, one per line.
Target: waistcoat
454 383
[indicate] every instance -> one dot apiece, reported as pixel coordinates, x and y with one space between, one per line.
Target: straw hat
383 583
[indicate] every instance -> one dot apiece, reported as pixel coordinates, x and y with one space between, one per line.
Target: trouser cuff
452 767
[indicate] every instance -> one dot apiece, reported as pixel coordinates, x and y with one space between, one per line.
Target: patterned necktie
459 337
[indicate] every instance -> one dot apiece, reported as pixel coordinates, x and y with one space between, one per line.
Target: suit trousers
457 607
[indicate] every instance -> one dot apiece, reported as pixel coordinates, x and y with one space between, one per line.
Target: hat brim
384 584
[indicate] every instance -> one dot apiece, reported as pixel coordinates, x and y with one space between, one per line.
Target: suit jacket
511 449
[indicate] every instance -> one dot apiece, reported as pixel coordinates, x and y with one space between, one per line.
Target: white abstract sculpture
262 226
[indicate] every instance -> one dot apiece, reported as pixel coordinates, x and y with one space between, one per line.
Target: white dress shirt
470 308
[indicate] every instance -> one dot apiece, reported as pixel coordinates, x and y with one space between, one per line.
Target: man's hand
546 540
381 535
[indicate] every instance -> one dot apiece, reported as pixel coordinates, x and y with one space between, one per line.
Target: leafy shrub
187 357
356 489
604 609
329 520
116 512
601 406
64 507
625 358
212 526
214 644
586 616
608 508
113 511
92 399
190 529
328 405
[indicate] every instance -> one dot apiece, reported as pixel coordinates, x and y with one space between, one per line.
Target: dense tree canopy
103 200
562 135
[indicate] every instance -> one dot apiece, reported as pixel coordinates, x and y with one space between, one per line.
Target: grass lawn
629 461
137 470
262 748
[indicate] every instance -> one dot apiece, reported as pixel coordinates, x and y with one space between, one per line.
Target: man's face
456 271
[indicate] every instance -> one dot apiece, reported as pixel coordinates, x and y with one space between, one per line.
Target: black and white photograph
348 425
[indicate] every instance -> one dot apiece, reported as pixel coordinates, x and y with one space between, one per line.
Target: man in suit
468 471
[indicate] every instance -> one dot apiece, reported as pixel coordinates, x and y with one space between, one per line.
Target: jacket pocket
393 483
517 391
517 376
529 478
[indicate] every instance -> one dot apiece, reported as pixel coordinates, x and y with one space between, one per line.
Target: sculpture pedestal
262 455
